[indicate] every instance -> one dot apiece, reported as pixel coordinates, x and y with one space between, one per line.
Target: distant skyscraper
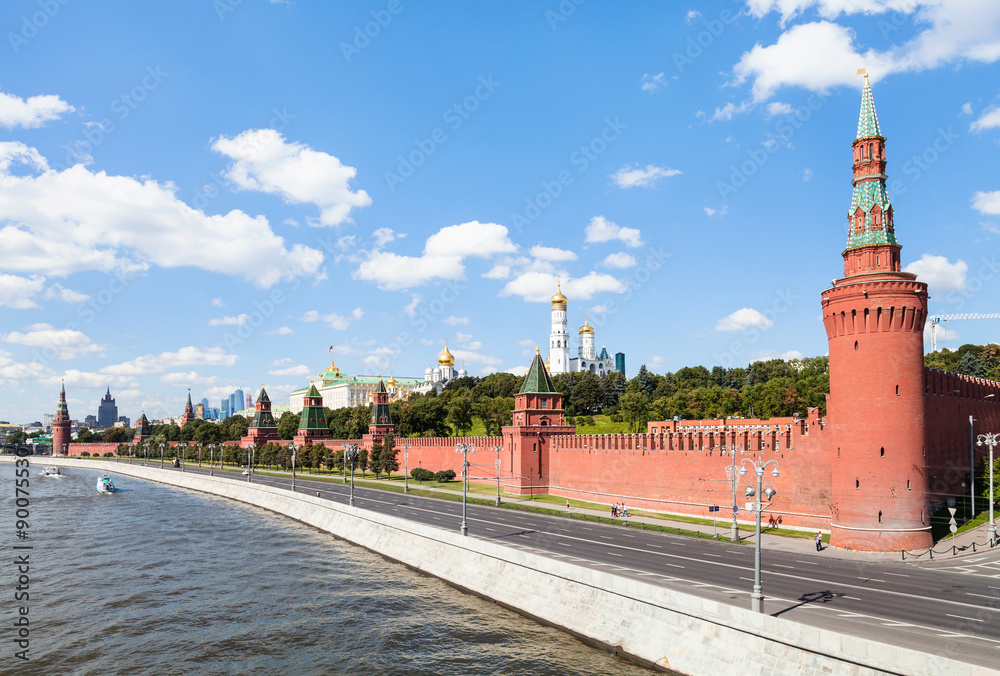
107 412
204 402
249 401
236 402
125 420
224 413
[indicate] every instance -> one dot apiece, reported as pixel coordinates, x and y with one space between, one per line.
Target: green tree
460 415
634 407
588 394
390 456
495 413
971 365
363 460
115 435
19 437
84 436
497 385
288 424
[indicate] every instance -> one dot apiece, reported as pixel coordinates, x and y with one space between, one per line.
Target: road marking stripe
963 617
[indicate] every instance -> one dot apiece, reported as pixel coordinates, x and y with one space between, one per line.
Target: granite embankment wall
656 625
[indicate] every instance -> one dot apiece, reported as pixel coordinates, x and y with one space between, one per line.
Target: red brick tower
60 426
143 430
537 417
874 318
312 427
263 429
188 411
381 424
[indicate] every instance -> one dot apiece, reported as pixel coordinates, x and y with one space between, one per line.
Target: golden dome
446 357
559 298
586 328
332 369
392 381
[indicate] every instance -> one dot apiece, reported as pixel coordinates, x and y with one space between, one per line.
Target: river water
158 580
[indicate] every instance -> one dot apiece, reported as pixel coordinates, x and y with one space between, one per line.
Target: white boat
50 471
105 484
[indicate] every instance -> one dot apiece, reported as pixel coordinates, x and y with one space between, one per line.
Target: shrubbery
445 475
85 454
421 474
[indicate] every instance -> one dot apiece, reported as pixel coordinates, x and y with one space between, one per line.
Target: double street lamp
406 463
990 440
734 532
294 449
497 449
465 449
211 459
351 454
758 466
183 448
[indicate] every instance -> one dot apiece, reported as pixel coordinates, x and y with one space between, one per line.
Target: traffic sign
952 510
713 508
953 528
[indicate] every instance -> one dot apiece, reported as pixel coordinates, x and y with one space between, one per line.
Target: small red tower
61 425
381 424
537 417
874 318
188 411
262 429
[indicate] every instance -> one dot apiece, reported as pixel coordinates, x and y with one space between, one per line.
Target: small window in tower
880 516
855 346
870 146
921 516
897 390
908 488
857 483
883 452
838 451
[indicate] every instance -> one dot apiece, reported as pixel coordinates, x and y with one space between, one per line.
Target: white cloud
602 230
823 54
498 271
939 274
518 371
280 331
692 15
265 162
471 357
443 256
807 174
650 83
185 356
298 370
59 292
987 203
637 177
188 379
720 211
411 308
33 112
966 108
16 292
549 253
744 318
527 342
619 260
941 334
727 111
344 349
537 287
62 343
238 320
779 108
334 320
990 119
767 355
61 222
383 236
456 321
217 302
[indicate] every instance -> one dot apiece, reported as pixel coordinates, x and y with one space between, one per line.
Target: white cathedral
443 374
587 358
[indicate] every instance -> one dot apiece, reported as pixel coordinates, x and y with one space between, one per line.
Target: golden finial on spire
863 71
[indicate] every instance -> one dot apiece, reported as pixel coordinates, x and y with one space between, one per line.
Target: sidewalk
963 543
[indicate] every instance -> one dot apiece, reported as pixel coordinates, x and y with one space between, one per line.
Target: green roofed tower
871 235
312 427
536 380
263 428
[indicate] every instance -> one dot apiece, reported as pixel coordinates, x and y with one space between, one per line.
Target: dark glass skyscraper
107 412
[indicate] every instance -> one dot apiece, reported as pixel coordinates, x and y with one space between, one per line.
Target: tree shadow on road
811 597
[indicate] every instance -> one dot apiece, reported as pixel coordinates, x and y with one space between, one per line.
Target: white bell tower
559 338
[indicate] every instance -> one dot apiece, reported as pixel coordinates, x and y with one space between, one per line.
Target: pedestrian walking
567 504
819 541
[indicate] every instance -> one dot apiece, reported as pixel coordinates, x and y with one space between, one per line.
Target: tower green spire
868 120
536 380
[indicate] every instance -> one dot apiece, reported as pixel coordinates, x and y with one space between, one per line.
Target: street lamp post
496 449
161 455
250 462
294 449
757 597
183 448
972 472
211 459
406 466
351 453
465 449
734 531
990 440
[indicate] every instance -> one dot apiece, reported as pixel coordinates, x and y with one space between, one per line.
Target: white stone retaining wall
670 629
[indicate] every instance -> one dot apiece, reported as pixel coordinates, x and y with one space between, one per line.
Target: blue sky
211 194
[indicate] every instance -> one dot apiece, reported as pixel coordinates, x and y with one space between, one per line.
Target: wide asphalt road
935 610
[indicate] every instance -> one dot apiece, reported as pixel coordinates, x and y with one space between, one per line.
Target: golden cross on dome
863 71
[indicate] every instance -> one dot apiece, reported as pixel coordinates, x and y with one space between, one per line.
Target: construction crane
937 319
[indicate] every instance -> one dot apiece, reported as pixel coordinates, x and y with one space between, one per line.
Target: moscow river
158 580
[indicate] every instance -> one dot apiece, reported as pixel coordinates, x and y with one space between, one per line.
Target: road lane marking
994 598
963 617
896 574
784 566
